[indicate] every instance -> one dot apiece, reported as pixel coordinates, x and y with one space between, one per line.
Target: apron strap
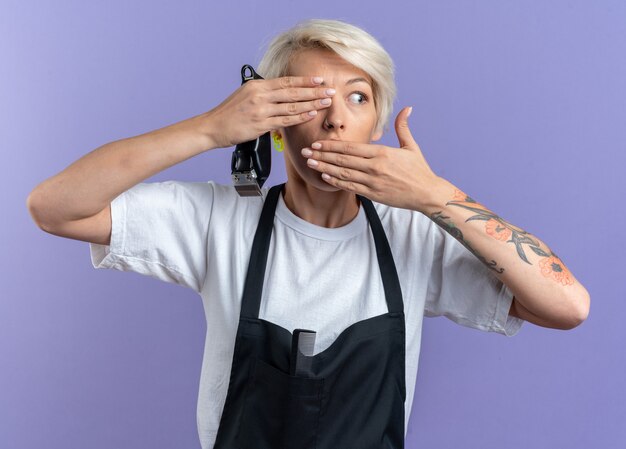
251 300
387 266
253 288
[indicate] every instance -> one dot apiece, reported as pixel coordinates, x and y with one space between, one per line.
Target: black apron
355 396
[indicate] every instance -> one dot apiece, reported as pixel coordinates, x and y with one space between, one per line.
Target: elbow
38 213
31 205
584 305
580 311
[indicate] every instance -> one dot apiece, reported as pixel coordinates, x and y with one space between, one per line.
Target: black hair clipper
251 162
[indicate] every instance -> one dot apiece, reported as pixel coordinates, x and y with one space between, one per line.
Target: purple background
520 104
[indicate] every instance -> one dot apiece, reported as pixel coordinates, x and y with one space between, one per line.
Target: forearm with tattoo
501 230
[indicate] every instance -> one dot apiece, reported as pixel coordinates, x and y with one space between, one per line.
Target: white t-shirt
199 235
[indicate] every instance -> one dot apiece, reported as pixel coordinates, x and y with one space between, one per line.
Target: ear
276 137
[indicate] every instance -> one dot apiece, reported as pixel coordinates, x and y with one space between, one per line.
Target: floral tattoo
551 266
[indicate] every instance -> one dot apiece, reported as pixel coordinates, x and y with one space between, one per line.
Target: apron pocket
280 411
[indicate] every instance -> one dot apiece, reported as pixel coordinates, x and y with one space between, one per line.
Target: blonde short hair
351 43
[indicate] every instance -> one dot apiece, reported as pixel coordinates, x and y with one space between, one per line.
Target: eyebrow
352 81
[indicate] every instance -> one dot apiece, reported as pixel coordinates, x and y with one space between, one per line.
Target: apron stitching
319 412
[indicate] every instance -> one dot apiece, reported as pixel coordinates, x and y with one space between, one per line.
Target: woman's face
350 117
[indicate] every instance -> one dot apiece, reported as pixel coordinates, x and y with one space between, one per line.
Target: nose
335 117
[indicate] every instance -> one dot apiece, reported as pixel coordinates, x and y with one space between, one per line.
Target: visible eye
357 95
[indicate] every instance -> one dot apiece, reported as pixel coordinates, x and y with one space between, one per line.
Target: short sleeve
464 290
160 229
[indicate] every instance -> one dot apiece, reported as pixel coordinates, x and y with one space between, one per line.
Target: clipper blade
246 184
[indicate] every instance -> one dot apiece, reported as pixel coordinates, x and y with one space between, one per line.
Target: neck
322 208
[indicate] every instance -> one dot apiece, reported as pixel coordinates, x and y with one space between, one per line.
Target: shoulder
185 200
171 190
226 197
200 194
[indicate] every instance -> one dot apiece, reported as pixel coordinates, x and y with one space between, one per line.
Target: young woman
359 244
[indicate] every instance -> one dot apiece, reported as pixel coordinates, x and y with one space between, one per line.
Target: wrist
441 192
205 126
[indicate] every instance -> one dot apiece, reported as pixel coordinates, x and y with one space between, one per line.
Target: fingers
405 138
338 165
291 100
285 82
295 100
347 172
290 120
366 150
294 90
297 108
341 174
293 94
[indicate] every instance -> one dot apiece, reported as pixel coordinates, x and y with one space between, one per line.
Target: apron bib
354 397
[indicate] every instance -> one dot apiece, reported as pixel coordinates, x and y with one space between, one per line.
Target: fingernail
317 79
306 152
312 162
325 101
410 110
330 91
316 145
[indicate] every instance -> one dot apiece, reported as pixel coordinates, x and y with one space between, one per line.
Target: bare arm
88 185
546 293
75 203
